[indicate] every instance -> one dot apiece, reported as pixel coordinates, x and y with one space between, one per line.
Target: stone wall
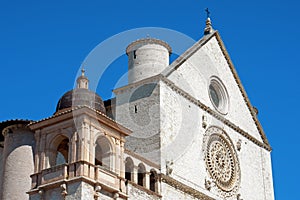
194 75
136 193
53 194
183 150
80 190
138 109
183 130
170 192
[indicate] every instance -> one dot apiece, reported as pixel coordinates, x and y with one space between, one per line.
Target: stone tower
17 160
137 106
79 151
146 58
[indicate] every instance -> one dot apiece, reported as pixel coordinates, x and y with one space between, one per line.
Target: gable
193 72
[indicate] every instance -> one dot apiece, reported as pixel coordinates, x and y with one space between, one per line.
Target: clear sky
43 43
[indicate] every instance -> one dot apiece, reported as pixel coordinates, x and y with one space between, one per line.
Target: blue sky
43 43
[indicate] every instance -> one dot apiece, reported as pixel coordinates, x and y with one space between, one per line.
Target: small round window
218 95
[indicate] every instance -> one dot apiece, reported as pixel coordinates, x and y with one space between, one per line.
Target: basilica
181 130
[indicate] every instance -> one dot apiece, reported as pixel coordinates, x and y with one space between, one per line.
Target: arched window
129 169
62 152
141 175
153 181
103 153
58 153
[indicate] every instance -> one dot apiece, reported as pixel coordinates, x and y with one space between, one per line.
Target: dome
80 97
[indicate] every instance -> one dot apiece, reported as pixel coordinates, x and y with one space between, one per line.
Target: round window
218 95
221 160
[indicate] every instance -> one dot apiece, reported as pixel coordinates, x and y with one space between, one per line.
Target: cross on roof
207 12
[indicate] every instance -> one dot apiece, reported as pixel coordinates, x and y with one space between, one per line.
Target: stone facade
181 131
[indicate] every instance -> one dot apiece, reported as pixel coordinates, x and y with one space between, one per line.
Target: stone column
43 164
72 158
121 160
73 148
147 180
135 174
37 151
117 157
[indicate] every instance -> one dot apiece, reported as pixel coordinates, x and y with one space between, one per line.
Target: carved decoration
238 197
207 184
239 145
97 192
41 193
204 121
221 161
116 195
64 189
169 169
117 142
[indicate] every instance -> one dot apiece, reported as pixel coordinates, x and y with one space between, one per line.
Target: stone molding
148 41
148 191
214 113
141 158
243 91
16 123
186 55
71 113
195 101
184 188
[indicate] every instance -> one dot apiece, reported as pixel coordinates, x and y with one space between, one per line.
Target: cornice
12 123
184 188
191 51
242 89
181 92
148 41
151 79
141 158
149 192
69 114
214 113
187 54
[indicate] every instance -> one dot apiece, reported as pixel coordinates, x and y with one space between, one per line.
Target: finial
82 71
82 81
208 28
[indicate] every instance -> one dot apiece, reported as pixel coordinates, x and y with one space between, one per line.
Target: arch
153 181
59 151
129 169
62 152
141 175
104 152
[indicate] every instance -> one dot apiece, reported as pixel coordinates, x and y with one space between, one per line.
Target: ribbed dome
80 97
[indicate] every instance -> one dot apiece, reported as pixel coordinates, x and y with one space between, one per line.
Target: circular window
221 160
218 95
